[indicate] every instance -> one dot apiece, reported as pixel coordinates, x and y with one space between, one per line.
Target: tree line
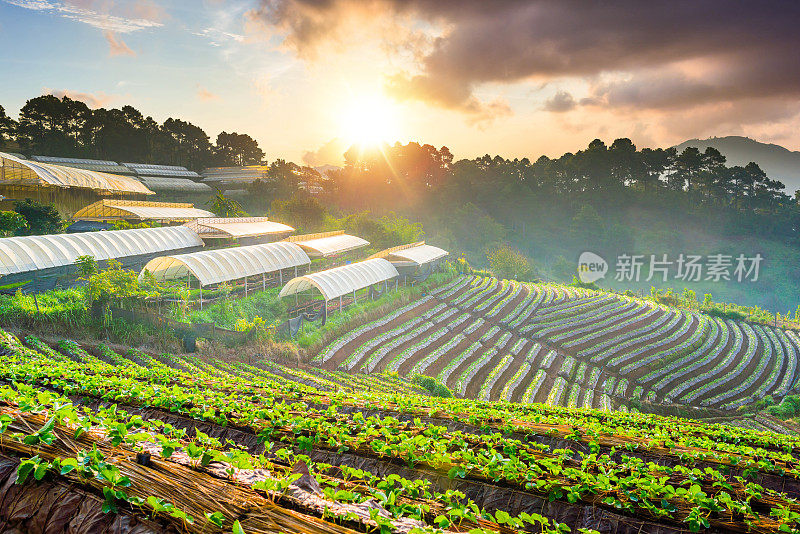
64 127
611 180
408 173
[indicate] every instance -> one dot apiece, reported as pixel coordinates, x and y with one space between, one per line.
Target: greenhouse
168 183
211 267
166 171
419 255
238 227
227 178
99 165
39 260
135 210
67 187
19 172
343 281
328 244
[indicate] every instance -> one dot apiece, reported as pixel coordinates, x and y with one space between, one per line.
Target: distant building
235 178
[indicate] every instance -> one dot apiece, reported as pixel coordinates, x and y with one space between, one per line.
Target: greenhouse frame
125 210
238 227
211 267
345 280
40 261
328 244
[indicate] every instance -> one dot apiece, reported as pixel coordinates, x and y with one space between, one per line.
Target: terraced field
107 439
503 340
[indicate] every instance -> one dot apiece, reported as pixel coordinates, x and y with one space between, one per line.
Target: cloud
84 11
331 153
116 46
206 95
311 27
93 100
727 118
658 55
218 37
560 102
147 10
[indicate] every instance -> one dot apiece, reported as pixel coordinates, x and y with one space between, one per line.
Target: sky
306 78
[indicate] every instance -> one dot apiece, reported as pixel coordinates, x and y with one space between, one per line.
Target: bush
436 388
442 391
789 407
576 282
40 218
427 382
716 311
508 263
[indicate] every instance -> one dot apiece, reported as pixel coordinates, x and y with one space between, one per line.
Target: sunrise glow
369 121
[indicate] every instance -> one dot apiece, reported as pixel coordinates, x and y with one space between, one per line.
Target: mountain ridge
777 161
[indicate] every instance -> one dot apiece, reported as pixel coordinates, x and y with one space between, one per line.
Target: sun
369 121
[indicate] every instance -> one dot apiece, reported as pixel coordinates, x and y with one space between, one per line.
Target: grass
63 312
227 312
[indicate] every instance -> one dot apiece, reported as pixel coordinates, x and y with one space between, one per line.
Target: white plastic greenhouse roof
166 183
104 210
335 244
160 171
342 280
420 254
58 159
31 253
223 265
215 227
32 173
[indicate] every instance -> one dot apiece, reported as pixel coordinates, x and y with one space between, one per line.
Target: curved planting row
663 359
498 339
685 368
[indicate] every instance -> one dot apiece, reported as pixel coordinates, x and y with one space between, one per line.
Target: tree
186 144
11 222
563 269
237 149
119 135
53 126
113 284
587 227
388 231
508 263
301 211
87 266
401 230
8 128
40 218
224 206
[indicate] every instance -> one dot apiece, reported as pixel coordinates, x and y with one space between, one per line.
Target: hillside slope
778 162
488 339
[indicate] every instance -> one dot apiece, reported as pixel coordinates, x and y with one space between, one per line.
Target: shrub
789 407
442 391
39 218
576 282
436 388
